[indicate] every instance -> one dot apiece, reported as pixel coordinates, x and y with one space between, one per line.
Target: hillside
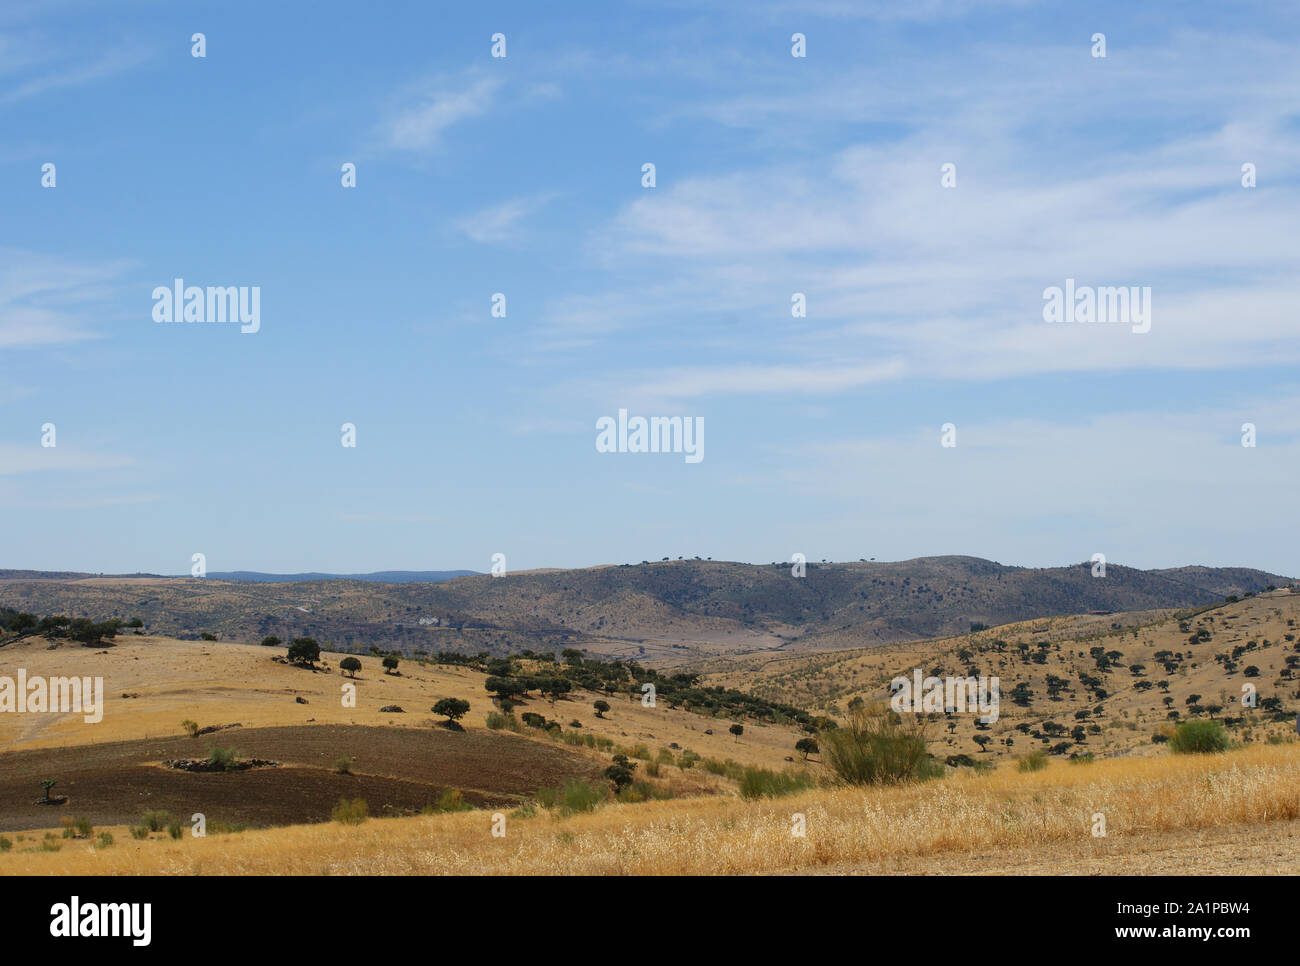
402 760
667 611
1120 678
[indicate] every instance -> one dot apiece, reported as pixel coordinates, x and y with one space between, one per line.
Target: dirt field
1232 813
396 770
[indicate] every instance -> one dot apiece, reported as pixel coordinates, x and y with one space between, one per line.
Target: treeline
80 629
510 678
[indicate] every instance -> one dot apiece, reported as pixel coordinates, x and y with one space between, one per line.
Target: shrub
174 830
343 766
764 783
223 759
576 796
105 840
139 832
1034 761
5 844
155 820
620 772
453 801
1199 737
877 746
1086 758
642 791
351 812
191 728
500 722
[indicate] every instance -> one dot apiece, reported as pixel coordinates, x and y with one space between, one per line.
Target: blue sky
522 175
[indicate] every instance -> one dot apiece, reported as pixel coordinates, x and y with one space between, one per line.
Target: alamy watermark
953 695
1119 304
656 434
62 695
241 304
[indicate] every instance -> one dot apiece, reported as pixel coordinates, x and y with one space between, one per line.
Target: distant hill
669 610
379 577
256 576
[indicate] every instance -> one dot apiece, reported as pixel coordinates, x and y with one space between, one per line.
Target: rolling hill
666 611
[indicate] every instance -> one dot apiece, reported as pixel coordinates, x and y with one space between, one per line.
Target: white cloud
44 299
432 108
500 223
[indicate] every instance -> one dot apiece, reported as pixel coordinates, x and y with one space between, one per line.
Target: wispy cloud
948 283
429 108
501 223
48 71
16 459
43 298
732 380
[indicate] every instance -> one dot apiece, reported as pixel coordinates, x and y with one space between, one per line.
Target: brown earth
396 770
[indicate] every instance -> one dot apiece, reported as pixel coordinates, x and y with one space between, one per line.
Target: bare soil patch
397 771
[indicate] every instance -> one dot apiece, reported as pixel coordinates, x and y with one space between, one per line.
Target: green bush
223 759
1034 761
174 830
576 796
105 840
5 844
503 722
351 812
876 746
764 783
1198 737
643 791
453 801
155 821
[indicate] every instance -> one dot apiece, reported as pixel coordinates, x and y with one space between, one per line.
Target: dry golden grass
218 684
1036 815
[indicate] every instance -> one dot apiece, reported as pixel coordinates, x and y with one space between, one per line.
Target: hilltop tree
601 707
555 687
304 650
351 665
453 709
390 663
504 688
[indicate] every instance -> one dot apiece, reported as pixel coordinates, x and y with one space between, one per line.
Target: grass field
1239 807
1233 811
